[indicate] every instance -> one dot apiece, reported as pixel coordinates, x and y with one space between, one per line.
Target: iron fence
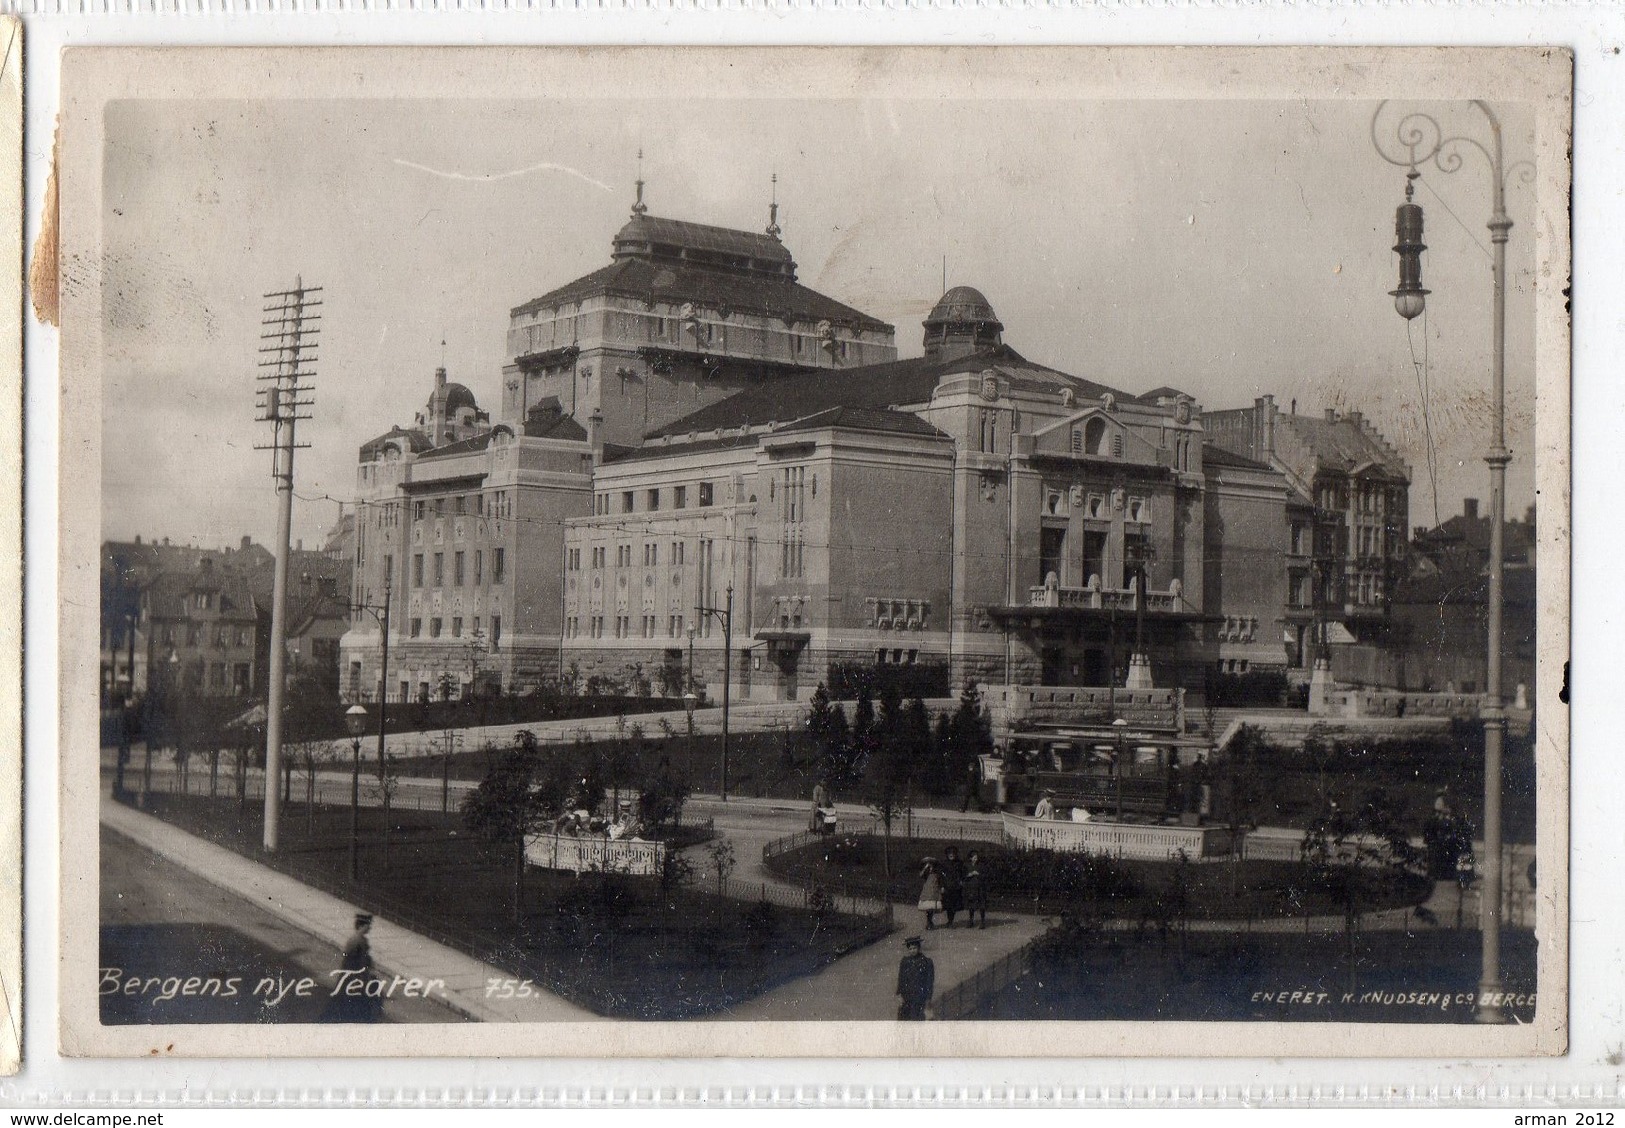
965 999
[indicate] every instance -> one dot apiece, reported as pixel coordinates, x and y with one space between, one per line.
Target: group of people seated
582 823
1046 809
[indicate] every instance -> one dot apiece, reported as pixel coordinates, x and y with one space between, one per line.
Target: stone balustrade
1138 841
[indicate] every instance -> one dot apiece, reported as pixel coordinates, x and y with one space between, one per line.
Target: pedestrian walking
916 981
930 892
351 1002
953 883
975 892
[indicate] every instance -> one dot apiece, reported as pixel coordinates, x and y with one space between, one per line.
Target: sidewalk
862 985
397 951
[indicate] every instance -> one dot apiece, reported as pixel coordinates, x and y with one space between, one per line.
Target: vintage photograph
926 547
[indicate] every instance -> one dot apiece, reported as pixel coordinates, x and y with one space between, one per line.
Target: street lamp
689 700
1419 139
355 723
726 614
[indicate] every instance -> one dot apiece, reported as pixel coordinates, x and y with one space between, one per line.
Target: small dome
457 398
963 305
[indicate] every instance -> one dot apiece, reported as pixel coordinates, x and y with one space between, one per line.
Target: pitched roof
1343 443
1217 456
645 280
461 446
892 384
863 419
415 440
167 593
657 231
547 420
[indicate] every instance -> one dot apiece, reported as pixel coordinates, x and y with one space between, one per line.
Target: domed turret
962 322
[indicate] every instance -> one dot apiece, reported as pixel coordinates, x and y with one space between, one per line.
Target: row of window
623 556
653 498
501 505
436 625
459 571
648 625
199 635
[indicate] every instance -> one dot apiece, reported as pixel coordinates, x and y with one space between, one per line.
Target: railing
903 829
595 854
1119 840
1013 706
1103 599
811 898
965 999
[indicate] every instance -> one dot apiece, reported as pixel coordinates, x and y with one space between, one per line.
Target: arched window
1094 433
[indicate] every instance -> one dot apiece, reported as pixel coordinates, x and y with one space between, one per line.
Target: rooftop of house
675 261
892 384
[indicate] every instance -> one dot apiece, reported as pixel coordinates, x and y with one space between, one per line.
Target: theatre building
968 510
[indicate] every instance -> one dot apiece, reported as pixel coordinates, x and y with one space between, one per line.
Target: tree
721 852
838 753
310 756
864 730
1356 855
660 799
891 768
969 737
519 791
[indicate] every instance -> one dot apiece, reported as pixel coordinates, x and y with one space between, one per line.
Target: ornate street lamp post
726 614
1418 139
689 700
355 723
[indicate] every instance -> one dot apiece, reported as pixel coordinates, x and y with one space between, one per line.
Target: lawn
1290 787
1393 976
772 765
620 946
1040 881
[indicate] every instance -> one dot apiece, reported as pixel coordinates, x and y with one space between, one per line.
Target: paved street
327 919
157 915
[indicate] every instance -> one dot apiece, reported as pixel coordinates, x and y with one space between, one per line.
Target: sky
1227 248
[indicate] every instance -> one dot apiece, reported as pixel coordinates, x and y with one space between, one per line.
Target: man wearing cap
357 958
916 980
1046 806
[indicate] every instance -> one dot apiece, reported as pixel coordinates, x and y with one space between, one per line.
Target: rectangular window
439 569
217 675
679 497
457 569
417 628
456 626
479 505
654 500
459 505
706 494
479 566
434 627
417 510
417 569
626 501
389 567
242 636
497 555
496 629
677 552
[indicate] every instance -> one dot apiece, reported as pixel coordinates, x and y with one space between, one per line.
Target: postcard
886 552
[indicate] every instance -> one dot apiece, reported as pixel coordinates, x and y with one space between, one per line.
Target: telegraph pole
287 362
